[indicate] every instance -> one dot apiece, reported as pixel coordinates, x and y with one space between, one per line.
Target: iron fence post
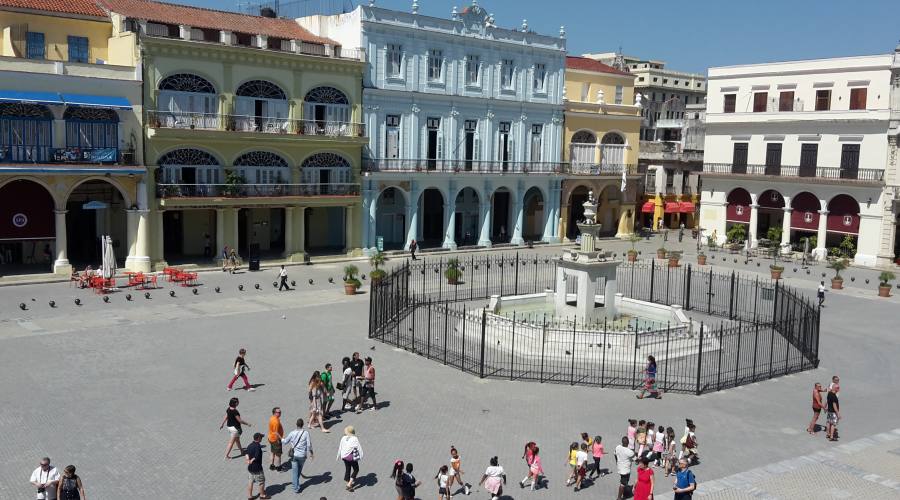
440 281
652 277
699 360
755 347
502 281
687 298
719 368
447 329
572 367
512 351
483 337
774 330
666 370
516 287
737 364
603 358
731 299
428 319
634 360
543 343
818 333
709 292
414 328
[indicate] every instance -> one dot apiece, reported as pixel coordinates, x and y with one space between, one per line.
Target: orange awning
648 208
673 207
687 207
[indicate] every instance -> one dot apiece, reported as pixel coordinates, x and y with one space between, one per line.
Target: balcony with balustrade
806 173
493 167
162 123
182 194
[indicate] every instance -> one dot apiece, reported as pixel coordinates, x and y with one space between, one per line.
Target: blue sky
691 35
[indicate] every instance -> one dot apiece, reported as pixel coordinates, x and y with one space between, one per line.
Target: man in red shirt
816 407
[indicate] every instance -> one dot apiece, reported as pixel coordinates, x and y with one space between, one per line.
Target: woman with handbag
316 401
240 369
234 421
351 453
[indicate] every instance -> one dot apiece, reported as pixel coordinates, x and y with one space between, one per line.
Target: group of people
649 445
357 388
832 408
51 485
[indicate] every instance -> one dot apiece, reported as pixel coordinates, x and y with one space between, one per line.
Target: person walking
234 422
282 276
443 479
397 476
685 482
357 365
817 406
659 445
681 232
232 259
528 456
69 486
240 369
494 478
820 293
368 391
624 458
276 434
832 413
254 458
689 442
649 380
456 473
643 487
597 454
670 457
207 247
225 255
413 246
45 479
327 381
316 401
408 483
301 449
346 386
350 452
581 459
536 469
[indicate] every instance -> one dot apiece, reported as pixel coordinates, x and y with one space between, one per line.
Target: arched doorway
770 215
843 221
431 218
330 173
261 106
188 172
583 151
738 209
467 208
805 217
95 131
576 211
96 208
25 133
187 101
27 227
500 216
326 111
612 151
390 223
263 172
533 222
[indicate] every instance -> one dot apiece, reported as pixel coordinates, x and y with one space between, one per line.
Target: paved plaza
132 393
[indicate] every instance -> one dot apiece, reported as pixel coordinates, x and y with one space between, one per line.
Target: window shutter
477 147
440 143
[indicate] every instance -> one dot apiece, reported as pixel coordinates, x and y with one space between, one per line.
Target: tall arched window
584 147
326 112
612 150
261 106
190 166
26 133
326 169
187 101
262 167
91 128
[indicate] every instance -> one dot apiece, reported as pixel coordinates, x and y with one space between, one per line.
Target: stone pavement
133 393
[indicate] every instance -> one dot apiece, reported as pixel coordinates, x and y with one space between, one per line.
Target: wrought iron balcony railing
859 174
254 190
258 124
46 154
599 169
462 166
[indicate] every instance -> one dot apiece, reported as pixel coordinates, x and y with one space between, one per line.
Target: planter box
632 256
673 262
837 284
661 254
776 273
701 260
453 281
349 289
884 291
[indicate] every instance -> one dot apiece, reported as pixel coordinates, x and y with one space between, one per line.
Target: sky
691 35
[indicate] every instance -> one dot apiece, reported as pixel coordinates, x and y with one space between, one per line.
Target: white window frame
392 126
539 82
435 62
473 60
507 74
393 55
620 94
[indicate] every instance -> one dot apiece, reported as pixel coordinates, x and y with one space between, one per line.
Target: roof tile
197 17
587 64
79 7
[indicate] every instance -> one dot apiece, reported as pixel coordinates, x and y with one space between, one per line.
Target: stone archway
27 227
431 218
577 197
842 220
534 215
96 208
467 217
390 223
501 214
769 214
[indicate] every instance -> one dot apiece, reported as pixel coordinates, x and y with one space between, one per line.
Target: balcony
169 191
668 151
462 166
871 175
614 169
253 124
48 155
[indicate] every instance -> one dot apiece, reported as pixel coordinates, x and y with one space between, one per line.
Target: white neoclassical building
801 147
465 124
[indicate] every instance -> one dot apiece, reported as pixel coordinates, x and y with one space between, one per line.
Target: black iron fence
759 329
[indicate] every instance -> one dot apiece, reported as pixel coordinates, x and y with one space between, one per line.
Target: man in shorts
816 408
624 459
253 455
832 412
276 434
357 365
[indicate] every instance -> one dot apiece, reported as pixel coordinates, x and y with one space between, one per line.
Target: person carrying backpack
685 482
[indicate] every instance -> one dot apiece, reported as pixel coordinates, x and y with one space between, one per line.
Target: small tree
885 278
848 246
377 260
736 233
350 272
453 272
633 238
774 234
838 266
233 183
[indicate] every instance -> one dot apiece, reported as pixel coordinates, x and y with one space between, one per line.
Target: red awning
648 208
687 207
673 207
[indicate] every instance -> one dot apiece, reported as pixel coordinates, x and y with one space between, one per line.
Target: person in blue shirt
685 482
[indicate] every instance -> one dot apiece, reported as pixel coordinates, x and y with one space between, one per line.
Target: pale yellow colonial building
602 131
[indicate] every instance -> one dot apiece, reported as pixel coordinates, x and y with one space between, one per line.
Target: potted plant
661 252
233 183
453 272
632 253
736 235
377 260
884 283
701 259
351 283
775 269
847 246
674 257
837 282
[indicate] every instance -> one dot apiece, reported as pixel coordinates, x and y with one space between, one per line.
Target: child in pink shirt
597 453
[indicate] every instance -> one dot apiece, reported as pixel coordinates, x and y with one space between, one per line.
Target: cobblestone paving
132 392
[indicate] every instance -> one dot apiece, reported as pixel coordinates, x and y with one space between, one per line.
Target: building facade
797 152
466 127
890 236
70 149
601 147
253 132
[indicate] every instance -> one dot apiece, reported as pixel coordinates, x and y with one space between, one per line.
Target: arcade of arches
615 209
54 223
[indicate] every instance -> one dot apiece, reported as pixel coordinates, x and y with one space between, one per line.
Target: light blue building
465 124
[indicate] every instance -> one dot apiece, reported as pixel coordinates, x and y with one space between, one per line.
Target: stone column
348 228
130 236
754 218
288 232
786 225
61 265
820 252
372 226
412 216
159 239
366 219
484 238
519 220
139 258
235 235
220 232
450 225
301 231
